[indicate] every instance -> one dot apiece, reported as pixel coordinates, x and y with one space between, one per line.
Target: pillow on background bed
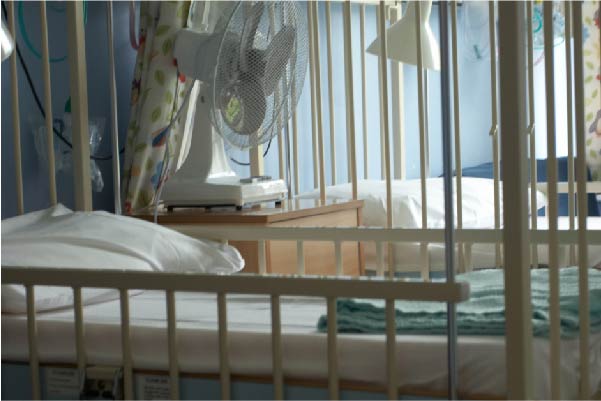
58 237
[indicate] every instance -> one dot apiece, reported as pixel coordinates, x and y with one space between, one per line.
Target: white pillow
58 237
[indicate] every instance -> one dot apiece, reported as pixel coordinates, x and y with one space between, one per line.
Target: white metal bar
398 105
114 104
224 363
379 23
314 93
363 91
569 101
300 258
128 378
338 256
531 133
172 345
584 306
424 259
262 259
14 86
554 316
494 131
48 103
80 346
318 105
518 352
79 105
391 365
350 98
457 128
32 336
333 390
276 348
331 94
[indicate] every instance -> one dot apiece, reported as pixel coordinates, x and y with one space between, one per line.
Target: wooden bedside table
281 255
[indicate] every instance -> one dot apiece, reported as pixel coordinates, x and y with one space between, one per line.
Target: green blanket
482 314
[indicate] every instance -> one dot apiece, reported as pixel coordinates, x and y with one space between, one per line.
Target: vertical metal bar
331 94
276 348
363 91
350 97
48 103
322 174
457 121
583 307
570 111
532 134
80 346
391 366
32 336
262 259
300 258
114 121
172 346
494 131
338 256
332 351
398 106
14 86
79 105
445 92
295 141
423 145
554 322
518 352
224 364
379 23
128 378
314 93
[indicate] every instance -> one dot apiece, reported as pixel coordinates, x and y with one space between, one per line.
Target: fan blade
277 55
248 33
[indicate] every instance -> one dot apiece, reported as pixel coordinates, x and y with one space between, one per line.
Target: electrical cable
248 164
39 103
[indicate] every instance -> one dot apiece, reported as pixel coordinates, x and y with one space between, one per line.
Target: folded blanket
482 314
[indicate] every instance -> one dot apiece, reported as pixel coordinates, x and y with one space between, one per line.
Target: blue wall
34 171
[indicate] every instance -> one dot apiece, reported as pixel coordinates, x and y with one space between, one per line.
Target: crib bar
79 106
423 143
318 105
380 258
262 259
363 90
128 378
333 390
14 86
80 346
276 348
295 142
569 101
48 103
338 256
32 337
379 23
518 351
457 127
398 107
583 309
314 94
384 73
114 121
331 94
391 365
531 133
300 258
554 323
172 345
224 363
494 131
350 98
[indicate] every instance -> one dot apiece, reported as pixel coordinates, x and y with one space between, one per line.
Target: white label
62 383
152 387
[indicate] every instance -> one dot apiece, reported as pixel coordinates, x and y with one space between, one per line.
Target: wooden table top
290 209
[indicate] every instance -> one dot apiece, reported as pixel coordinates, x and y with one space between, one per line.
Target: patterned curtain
592 85
158 92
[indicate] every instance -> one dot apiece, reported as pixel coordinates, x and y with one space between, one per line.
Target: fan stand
206 179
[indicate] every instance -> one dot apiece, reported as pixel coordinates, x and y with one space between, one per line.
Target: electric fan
245 56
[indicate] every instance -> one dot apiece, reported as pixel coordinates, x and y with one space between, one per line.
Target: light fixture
6 40
402 41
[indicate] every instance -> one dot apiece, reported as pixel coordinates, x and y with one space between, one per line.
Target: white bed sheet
422 359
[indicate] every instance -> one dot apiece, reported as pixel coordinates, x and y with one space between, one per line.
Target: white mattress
361 357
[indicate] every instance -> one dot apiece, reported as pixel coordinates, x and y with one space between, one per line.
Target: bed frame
512 112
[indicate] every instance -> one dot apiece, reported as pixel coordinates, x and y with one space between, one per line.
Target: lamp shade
402 41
